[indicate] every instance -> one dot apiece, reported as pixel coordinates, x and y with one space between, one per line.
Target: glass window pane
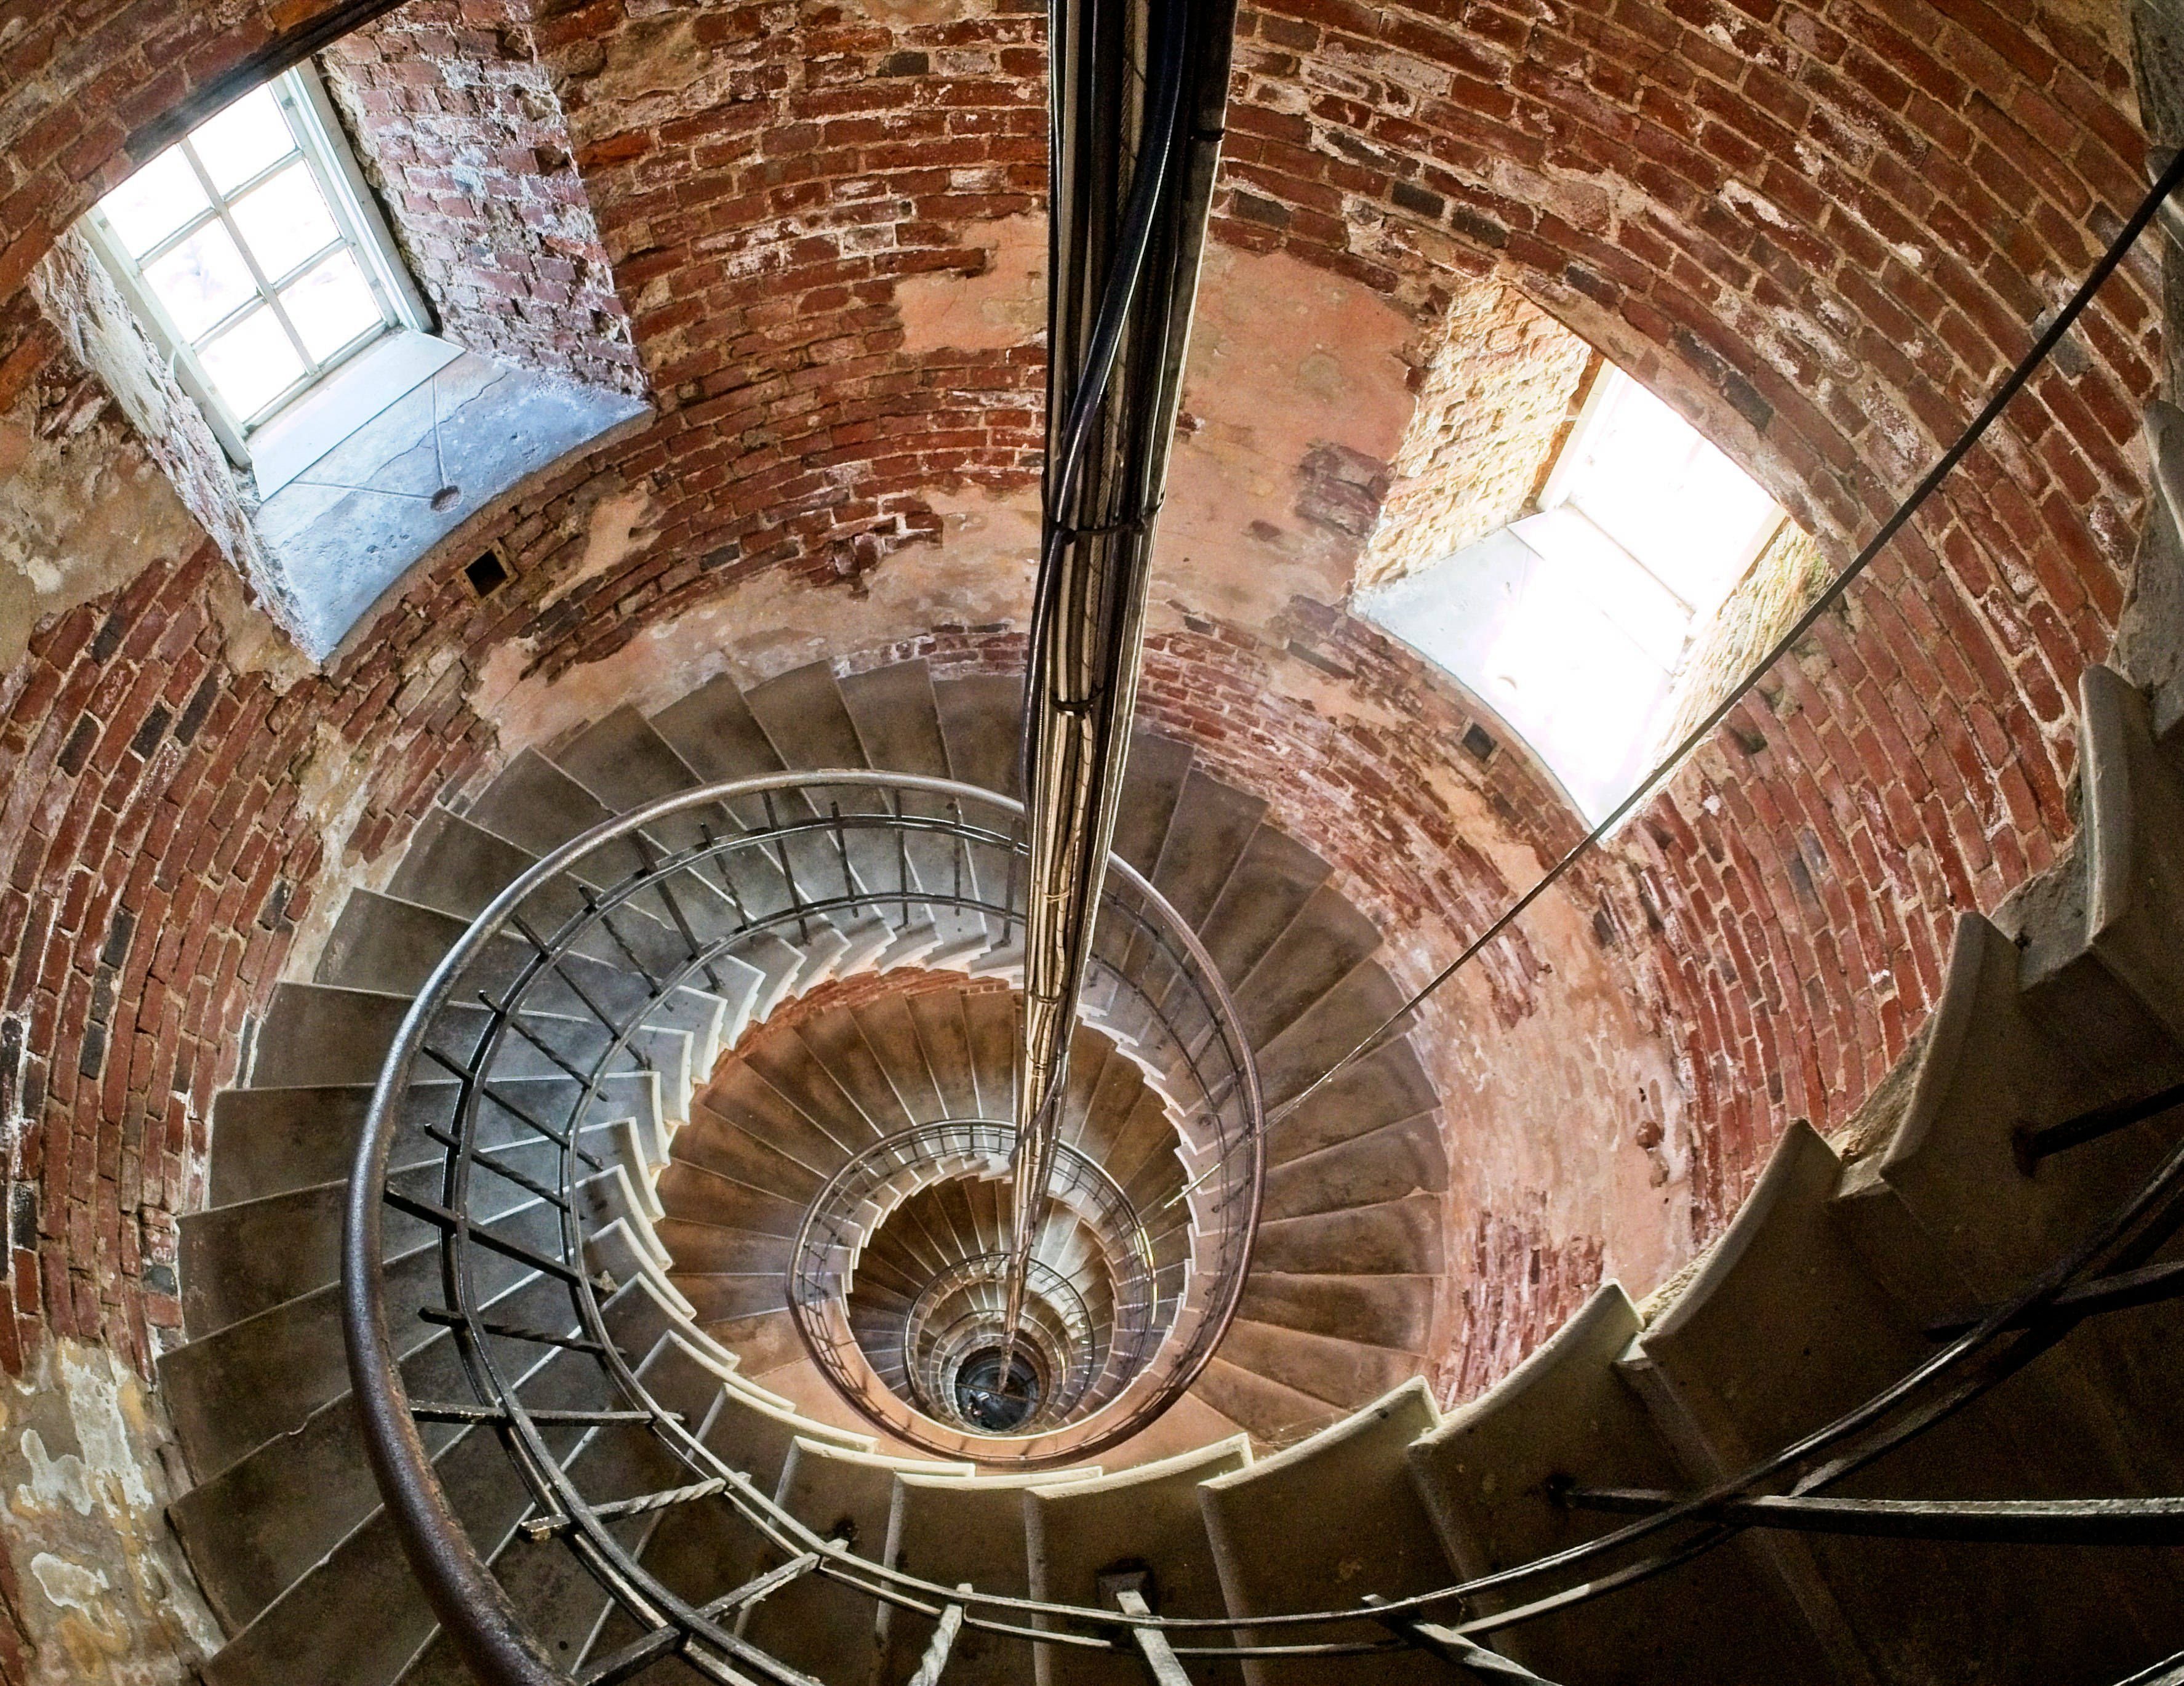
202 279
252 363
285 220
242 140
1669 497
331 305
155 202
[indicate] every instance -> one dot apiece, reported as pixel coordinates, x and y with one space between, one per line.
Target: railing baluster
644 848
456 1223
592 907
1473 1662
514 1022
942 1642
1128 1594
513 1332
545 1527
719 854
480 1156
439 1410
554 962
488 1092
2033 1145
2149 1285
788 878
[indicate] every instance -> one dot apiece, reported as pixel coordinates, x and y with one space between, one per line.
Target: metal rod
935 1659
513 1332
2011 1521
2033 1145
1472 1661
545 1527
1128 1594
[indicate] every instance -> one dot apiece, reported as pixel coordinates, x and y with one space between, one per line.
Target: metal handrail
471 1604
490 1633
528 1024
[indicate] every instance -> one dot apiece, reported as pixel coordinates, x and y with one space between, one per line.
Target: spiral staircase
739 1100
696 1152
615 1267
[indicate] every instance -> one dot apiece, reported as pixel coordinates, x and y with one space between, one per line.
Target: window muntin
1646 477
250 248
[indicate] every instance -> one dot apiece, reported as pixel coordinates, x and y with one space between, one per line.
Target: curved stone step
1566 1414
1326 1522
1150 1514
1835 1336
819 1625
955 1530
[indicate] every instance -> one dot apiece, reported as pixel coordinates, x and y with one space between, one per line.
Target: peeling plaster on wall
334 788
620 525
83 510
979 574
1285 361
997 309
106 344
94 1583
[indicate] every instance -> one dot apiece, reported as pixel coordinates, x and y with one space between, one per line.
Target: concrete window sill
347 526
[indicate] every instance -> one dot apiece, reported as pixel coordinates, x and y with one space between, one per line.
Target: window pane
1669 497
242 140
331 305
202 279
285 220
252 363
155 202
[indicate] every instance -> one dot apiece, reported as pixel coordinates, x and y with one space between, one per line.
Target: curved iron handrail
491 1631
464 1594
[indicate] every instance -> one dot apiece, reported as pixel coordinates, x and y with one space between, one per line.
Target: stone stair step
1565 1414
1394 1161
1290 1532
955 1529
818 1625
1150 1514
1152 781
1272 884
980 717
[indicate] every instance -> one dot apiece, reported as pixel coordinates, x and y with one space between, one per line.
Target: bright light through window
1574 624
249 245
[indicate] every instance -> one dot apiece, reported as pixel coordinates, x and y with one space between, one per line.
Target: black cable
1166 140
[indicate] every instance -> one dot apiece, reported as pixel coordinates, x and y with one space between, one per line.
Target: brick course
457 126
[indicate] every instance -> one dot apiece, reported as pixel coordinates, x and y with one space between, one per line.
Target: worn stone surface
353 523
1503 385
457 126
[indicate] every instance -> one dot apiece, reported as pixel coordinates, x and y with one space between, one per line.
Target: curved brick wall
1822 232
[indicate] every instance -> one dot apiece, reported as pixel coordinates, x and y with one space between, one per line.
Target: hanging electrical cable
1138 89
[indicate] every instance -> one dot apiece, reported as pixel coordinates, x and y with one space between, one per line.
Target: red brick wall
457 126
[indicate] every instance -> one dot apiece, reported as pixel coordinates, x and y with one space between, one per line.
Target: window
1574 622
252 249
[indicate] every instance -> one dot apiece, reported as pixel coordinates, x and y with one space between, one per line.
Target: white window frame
360 226
1455 619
